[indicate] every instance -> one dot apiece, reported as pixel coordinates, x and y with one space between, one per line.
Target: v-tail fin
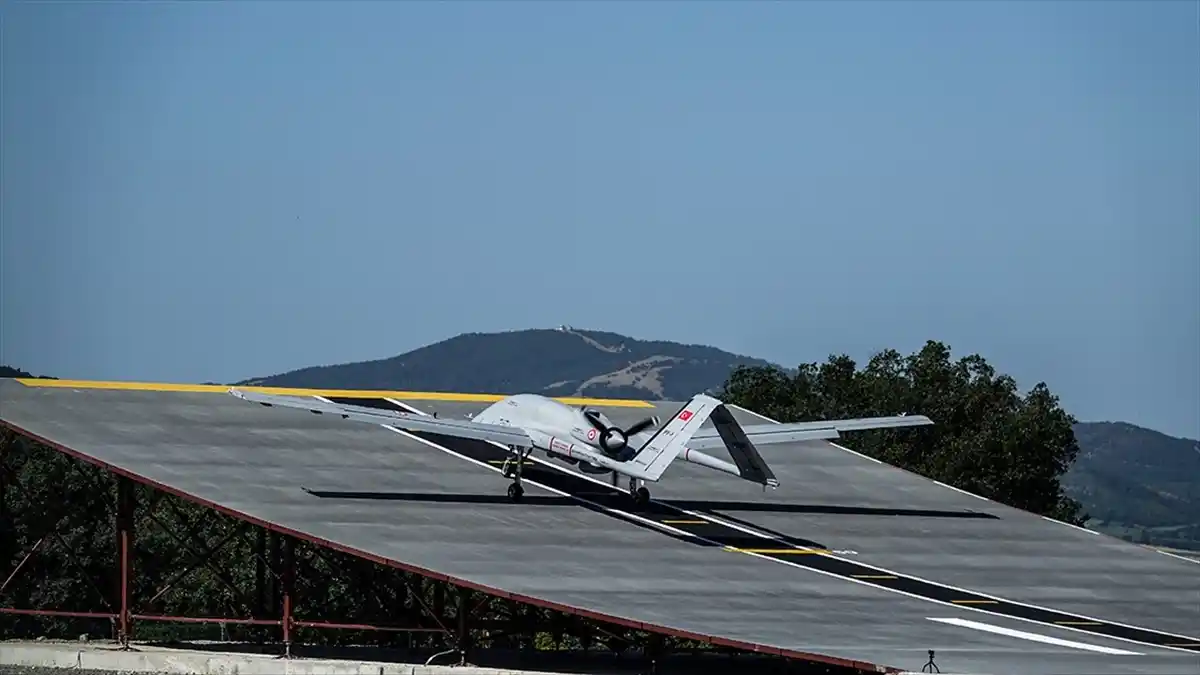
653 458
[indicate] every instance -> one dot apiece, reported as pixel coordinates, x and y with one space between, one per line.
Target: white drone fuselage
565 432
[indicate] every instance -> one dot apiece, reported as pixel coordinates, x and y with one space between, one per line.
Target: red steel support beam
59 613
125 537
124 623
260 571
289 588
464 635
21 564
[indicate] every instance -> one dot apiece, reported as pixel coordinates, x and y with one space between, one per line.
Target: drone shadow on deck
702 533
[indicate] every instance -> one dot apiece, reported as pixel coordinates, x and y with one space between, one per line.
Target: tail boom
710 462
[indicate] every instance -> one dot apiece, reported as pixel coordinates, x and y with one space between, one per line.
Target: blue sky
213 191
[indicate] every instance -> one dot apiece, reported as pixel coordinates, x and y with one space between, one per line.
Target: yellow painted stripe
1182 644
975 602
875 576
348 393
774 551
685 522
1079 623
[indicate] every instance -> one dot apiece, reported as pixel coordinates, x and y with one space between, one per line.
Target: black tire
515 492
641 496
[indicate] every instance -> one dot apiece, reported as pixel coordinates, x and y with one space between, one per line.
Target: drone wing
768 434
400 420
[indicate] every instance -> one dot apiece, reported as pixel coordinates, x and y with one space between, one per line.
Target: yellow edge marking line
686 522
289 391
1183 644
976 602
1079 623
874 576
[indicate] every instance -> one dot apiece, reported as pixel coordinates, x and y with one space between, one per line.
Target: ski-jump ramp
849 561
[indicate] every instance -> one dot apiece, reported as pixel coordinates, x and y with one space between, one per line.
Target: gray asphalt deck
255 460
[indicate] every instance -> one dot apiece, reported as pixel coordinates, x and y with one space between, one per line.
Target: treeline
987 437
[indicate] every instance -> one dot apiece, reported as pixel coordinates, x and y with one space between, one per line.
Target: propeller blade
594 420
641 426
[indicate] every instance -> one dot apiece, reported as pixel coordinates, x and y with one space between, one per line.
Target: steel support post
260 572
654 650
289 591
7 536
464 635
439 600
125 527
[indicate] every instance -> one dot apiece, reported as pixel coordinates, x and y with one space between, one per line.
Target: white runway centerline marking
1036 637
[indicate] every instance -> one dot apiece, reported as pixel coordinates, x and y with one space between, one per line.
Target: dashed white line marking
1081 529
1181 557
1036 637
956 489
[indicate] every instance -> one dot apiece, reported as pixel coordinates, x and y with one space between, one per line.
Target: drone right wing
767 434
407 421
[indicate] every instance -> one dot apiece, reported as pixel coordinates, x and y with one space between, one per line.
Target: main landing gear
641 496
515 491
516 460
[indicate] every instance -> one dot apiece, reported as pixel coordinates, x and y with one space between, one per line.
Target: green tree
987 437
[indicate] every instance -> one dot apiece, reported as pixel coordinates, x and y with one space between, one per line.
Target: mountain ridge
562 361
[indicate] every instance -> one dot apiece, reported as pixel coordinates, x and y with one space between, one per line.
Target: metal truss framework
394 607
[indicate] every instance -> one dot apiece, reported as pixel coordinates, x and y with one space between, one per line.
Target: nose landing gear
517 459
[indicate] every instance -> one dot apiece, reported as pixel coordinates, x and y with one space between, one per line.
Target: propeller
614 439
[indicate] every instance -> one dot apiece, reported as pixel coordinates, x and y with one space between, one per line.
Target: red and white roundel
591 434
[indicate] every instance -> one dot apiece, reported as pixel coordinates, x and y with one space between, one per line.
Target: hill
554 362
1136 483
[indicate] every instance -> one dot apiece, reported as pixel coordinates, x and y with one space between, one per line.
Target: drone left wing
406 421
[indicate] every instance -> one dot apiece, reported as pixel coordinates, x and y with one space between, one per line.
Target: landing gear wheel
515 491
641 496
